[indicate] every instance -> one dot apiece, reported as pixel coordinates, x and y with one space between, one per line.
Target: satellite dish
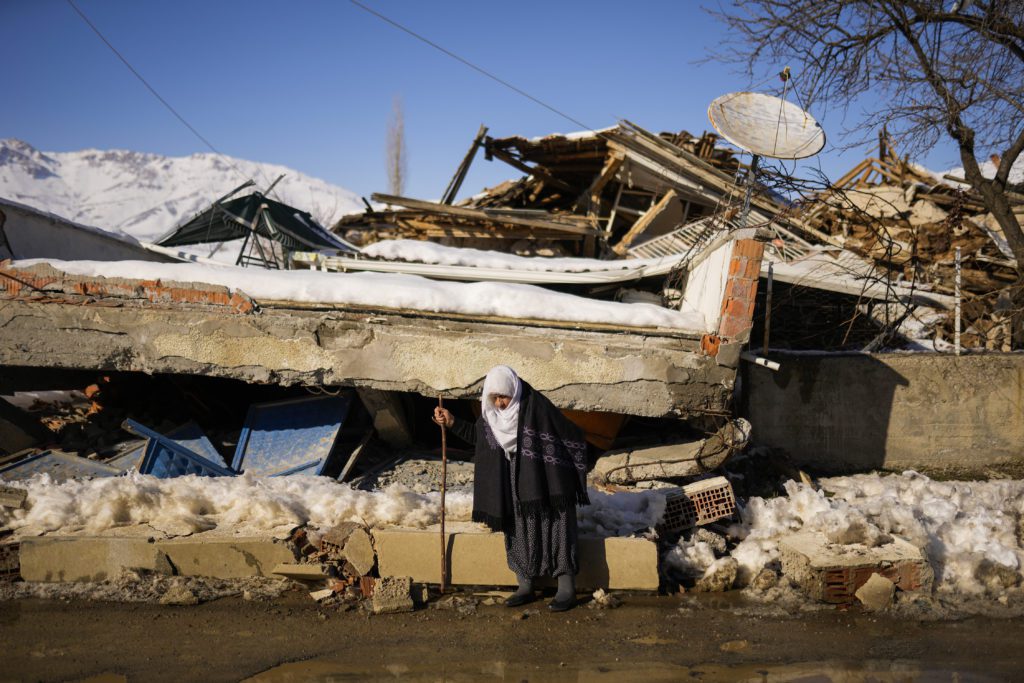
766 126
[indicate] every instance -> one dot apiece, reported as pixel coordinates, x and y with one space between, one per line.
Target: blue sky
310 84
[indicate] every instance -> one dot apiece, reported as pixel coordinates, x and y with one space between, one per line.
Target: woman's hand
443 417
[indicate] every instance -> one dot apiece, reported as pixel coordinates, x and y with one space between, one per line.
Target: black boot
565 598
523 595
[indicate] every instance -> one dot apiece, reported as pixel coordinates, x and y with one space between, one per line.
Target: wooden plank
356 452
476 214
535 171
460 173
592 196
644 222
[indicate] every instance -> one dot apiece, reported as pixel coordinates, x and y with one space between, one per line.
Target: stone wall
837 413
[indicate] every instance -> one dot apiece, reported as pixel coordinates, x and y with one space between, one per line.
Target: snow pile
970 531
428 252
385 290
621 513
246 504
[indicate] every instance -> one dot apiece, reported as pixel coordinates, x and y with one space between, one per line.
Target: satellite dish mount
765 126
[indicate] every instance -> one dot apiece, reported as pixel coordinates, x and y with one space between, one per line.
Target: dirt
713 638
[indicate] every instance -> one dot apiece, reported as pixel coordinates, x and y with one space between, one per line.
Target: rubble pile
911 223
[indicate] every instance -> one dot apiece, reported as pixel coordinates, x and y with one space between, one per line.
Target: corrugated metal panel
166 458
286 437
60 466
190 435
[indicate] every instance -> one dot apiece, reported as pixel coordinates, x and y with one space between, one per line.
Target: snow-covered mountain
145 195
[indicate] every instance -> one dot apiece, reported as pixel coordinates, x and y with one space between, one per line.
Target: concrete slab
654 373
833 573
302 572
478 558
98 558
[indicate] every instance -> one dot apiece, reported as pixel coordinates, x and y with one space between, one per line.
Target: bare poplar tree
396 148
923 68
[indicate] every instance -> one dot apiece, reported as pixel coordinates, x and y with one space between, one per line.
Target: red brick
749 248
709 344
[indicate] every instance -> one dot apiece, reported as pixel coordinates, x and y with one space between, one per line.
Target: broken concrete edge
676 460
625 372
834 573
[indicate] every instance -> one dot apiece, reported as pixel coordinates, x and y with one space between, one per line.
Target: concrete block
225 557
99 558
833 573
56 559
478 558
392 594
359 551
674 460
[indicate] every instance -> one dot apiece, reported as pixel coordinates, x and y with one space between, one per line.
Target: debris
11 497
699 503
715 541
765 579
302 572
604 600
392 594
675 460
321 595
58 465
719 577
10 561
997 577
18 429
179 595
358 551
292 436
388 416
877 593
254 218
166 458
833 573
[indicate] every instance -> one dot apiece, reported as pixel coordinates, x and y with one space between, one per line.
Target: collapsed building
634 272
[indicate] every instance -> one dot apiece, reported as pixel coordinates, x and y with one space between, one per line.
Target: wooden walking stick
444 486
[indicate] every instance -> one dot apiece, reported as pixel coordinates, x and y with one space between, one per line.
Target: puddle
804 672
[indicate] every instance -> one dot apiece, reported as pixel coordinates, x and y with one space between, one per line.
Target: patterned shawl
552 465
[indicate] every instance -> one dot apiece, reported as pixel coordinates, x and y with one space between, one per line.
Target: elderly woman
530 474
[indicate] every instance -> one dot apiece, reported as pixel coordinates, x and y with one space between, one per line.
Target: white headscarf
504 424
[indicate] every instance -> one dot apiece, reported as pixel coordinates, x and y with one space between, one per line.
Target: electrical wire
160 97
471 65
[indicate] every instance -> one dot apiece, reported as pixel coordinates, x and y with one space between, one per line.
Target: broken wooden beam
443 209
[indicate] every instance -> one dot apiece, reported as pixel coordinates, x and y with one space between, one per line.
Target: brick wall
741 290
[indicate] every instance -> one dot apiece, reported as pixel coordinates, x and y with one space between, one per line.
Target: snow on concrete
395 291
419 251
249 505
969 530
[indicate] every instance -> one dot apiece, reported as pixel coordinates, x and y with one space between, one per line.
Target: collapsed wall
188 328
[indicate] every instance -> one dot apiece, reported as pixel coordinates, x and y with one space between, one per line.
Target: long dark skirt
541 543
